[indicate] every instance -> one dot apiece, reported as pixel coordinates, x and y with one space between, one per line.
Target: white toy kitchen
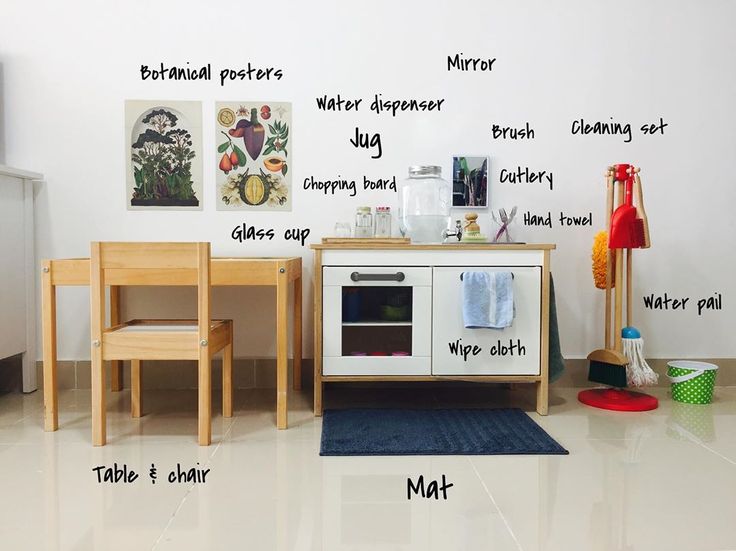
394 312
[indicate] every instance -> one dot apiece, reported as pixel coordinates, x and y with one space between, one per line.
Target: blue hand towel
488 300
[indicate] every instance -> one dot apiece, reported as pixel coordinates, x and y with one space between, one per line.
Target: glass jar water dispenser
424 205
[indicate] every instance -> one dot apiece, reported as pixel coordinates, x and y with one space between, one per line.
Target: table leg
227 378
116 366
99 413
136 406
282 342
297 338
48 314
204 391
97 357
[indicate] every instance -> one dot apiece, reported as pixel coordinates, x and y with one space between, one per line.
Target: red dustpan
623 221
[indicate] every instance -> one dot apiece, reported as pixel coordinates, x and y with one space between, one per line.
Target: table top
225 271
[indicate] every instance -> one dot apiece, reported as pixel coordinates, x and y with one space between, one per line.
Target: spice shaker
363 222
383 222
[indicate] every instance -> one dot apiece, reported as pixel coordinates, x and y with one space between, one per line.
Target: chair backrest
163 264
148 256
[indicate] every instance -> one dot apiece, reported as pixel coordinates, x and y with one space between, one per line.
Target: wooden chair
162 264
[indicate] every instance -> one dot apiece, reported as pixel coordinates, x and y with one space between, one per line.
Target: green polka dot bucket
692 382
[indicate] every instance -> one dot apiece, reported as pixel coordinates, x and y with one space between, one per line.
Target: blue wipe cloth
488 300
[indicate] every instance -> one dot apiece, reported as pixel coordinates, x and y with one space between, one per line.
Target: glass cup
343 229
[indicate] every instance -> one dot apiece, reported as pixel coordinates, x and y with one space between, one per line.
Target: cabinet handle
357 276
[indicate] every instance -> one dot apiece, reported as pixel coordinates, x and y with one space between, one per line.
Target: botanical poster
253 141
164 154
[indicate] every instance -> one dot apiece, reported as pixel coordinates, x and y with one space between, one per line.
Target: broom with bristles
607 365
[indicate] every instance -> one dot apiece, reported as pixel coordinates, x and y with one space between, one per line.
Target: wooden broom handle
609 255
629 287
618 283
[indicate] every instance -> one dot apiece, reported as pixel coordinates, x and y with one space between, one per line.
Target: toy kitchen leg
543 383
317 278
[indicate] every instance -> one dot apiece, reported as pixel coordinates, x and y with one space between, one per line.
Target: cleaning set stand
621 362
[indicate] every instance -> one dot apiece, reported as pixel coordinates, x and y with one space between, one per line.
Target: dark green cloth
556 361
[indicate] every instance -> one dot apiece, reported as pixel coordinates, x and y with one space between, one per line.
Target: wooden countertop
436 247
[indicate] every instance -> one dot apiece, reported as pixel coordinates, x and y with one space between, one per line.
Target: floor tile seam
719 454
495 504
693 439
223 438
191 487
173 515
181 504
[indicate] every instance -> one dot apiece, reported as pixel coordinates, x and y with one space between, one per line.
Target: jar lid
425 170
364 210
383 209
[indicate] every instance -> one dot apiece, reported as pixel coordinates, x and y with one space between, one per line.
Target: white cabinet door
12 268
511 351
362 341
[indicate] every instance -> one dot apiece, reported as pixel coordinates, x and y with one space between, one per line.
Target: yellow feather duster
600 258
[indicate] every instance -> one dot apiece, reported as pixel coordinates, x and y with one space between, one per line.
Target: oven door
376 320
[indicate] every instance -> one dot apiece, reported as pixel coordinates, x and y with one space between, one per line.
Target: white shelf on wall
18 270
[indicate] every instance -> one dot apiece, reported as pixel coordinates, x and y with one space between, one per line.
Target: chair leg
99 413
227 380
205 399
135 388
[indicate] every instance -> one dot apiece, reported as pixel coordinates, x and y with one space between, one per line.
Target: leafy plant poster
164 154
253 151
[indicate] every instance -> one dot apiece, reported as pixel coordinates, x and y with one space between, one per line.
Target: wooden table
278 272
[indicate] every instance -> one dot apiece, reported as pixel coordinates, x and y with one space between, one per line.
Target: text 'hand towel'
488 300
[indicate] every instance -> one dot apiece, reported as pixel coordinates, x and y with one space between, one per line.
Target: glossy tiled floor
664 480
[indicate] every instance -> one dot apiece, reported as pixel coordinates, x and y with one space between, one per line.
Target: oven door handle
357 276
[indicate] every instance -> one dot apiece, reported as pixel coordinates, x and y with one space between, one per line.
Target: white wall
69 66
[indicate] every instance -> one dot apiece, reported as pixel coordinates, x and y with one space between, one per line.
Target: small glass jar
363 222
383 222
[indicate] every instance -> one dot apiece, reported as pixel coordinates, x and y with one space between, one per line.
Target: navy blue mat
434 432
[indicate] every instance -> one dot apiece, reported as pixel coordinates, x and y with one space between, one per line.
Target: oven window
376 321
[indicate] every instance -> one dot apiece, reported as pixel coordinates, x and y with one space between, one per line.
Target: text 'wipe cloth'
488 300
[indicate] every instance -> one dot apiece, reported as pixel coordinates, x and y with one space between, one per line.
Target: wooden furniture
282 273
410 327
17 271
140 340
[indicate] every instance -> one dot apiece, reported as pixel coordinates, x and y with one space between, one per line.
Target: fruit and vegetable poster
253 141
164 154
